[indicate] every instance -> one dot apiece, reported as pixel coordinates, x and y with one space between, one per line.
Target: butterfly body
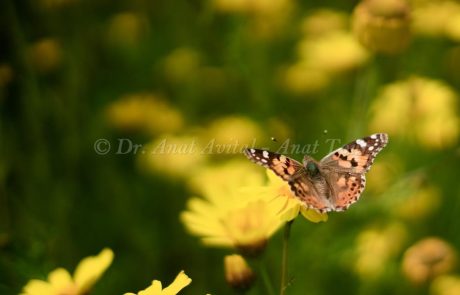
332 184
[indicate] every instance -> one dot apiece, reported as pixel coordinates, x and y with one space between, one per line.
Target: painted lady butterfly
332 184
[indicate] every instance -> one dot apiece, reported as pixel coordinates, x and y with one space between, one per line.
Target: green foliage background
60 201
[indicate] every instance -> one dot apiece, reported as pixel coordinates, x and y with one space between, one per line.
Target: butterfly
332 184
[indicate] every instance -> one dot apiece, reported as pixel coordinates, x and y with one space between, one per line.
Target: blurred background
83 82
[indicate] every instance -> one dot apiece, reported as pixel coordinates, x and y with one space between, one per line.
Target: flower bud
238 274
428 259
382 25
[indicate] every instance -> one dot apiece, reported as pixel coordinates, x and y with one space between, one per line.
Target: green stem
284 262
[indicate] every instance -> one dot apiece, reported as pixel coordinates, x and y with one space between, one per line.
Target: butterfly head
311 166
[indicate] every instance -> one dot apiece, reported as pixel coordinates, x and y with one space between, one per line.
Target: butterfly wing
356 156
283 166
294 173
346 168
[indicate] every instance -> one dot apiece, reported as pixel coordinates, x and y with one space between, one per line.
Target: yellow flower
438 18
181 281
229 135
182 64
418 107
60 282
333 53
126 29
301 78
251 6
238 274
45 55
175 156
246 227
230 216
428 259
375 247
445 285
324 21
382 25
239 210
145 112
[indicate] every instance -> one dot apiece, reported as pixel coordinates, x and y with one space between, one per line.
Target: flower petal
180 282
313 215
91 268
60 279
38 287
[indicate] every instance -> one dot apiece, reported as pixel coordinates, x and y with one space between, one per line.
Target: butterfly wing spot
349 189
361 143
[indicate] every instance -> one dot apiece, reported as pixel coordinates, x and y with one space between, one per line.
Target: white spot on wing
371 148
374 136
265 154
361 143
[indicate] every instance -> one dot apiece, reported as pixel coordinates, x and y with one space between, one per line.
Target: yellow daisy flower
88 271
246 228
419 108
181 281
244 215
229 216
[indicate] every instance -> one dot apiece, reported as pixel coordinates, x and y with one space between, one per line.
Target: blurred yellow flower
181 281
324 21
238 274
421 203
418 107
145 112
87 273
375 247
230 135
320 58
383 25
428 259
45 55
182 64
445 285
439 18
126 29
251 6
302 78
175 156
327 49
333 53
